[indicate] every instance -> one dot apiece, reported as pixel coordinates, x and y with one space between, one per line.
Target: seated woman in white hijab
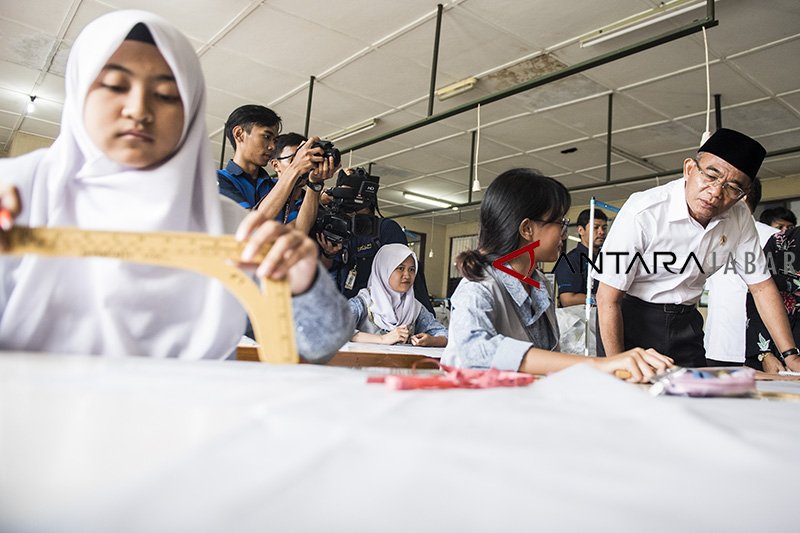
386 311
133 155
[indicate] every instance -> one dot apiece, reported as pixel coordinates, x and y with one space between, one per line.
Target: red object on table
456 378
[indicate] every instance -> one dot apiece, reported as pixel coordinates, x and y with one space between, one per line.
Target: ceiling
372 59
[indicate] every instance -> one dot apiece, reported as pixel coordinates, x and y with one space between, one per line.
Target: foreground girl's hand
293 255
10 206
641 364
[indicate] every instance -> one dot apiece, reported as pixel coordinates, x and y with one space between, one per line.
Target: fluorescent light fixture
456 88
639 21
29 109
573 238
425 199
351 130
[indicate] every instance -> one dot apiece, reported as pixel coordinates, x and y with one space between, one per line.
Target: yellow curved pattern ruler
215 256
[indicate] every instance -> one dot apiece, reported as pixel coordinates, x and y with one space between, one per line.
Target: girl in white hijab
386 311
132 155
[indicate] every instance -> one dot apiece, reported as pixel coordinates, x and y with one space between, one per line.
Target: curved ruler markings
214 256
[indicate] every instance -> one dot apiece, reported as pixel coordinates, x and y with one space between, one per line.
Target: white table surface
90 444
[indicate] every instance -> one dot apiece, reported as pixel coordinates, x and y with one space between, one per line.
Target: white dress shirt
727 318
654 226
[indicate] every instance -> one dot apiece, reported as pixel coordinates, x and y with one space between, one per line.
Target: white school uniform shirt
656 223
727 317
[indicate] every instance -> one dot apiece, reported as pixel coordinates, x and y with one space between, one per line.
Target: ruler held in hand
270 311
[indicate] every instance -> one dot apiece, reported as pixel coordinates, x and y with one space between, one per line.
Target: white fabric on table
162 445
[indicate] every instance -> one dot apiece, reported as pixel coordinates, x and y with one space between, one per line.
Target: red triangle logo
498 263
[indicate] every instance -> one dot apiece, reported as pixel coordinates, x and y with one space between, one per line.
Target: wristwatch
315 186
788 353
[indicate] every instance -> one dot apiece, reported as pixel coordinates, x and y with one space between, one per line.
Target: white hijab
390 308
103 306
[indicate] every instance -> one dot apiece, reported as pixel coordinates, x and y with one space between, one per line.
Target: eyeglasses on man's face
731 190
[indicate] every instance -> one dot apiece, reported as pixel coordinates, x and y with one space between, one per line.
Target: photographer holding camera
299 205
252 131
349 233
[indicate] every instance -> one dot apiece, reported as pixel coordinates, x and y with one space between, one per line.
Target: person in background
783 257
779 218
350 262
571 269
386 311
301 202
252 129
132 155
499 321
727 294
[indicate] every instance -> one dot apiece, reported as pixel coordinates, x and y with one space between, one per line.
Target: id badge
351 279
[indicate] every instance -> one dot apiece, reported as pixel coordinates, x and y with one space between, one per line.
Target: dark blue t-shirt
571 271
240 187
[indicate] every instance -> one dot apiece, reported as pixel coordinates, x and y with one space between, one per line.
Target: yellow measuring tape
215 256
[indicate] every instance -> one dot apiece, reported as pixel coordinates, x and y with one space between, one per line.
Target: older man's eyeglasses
729 189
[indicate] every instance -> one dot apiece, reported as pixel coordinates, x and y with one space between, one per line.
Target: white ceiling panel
46 110
793 100
561 92
781 141
588 154
278 48
760 65
17 77
620 170
21 45
543 24
467 47
88 10
522 161
684 94
42 15
490 113
423 163
744 24
382 77
39 127
591 116
784 165
225 70
532 132
656 139
52 88
215 14
13 101
8 120
668 57
754 119
350 17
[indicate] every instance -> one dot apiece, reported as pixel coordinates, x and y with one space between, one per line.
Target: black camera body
338 221
328 150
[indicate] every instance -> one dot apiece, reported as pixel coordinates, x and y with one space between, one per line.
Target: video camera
339 221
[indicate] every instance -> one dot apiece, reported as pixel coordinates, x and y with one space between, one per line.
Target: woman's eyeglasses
564 223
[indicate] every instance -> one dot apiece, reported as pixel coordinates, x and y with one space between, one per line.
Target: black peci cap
741 151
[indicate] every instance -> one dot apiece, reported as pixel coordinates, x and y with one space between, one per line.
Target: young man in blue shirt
252 129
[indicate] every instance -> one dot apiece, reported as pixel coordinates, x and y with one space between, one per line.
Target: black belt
677 309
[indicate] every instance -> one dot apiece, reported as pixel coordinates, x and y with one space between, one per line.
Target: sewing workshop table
132 444
368 355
